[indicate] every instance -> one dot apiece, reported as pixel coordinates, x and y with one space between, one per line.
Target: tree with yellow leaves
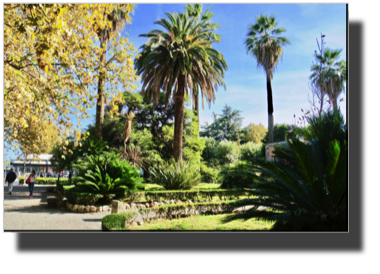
52 66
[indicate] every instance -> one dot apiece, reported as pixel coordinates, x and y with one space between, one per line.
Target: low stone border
81 208
146 214
87 208
125 207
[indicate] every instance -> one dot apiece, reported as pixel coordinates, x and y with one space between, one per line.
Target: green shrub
81 195
175 176
210 151
107 175
250 151
235 176
61 184
117 221
227 152
209 174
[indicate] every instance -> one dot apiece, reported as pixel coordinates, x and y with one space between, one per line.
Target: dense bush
227 152
250 151
107 174
209 174
209 152
235 176
117 221
78 195
175 176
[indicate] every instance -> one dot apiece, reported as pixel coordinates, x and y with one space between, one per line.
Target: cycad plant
305 188
107 175
92 147
176 176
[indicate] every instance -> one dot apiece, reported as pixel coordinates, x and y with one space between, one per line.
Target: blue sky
245 83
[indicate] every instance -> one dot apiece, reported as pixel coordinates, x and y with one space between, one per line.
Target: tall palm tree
119 16
180 59
195 11
265 45
329 75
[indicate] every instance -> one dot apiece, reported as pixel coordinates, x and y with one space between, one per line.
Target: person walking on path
11 177
31 180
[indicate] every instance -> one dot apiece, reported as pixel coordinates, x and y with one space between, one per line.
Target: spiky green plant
134 157
305 188
107 175
175 176
92 147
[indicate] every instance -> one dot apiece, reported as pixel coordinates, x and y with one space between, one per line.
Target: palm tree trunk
270 108
196 110
179 105
101 89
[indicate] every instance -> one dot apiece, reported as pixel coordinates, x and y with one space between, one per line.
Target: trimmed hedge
197 195
43 181
167 211
81 195
117 221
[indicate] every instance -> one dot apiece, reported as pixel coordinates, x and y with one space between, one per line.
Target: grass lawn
209 222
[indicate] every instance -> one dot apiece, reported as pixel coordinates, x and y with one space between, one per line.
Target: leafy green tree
177 60
306 187
255 133
64 156
265 45
226 126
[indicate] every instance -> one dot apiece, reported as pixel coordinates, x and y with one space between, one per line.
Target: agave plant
305 188
107 175
175 176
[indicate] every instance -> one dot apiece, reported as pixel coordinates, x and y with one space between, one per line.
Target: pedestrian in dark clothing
11 177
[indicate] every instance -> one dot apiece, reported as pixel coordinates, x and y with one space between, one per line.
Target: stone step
51 200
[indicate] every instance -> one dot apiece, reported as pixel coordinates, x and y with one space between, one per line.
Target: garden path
22 213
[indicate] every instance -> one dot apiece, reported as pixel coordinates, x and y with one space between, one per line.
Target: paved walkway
22 213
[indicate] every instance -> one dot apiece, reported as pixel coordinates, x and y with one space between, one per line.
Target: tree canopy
51 65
